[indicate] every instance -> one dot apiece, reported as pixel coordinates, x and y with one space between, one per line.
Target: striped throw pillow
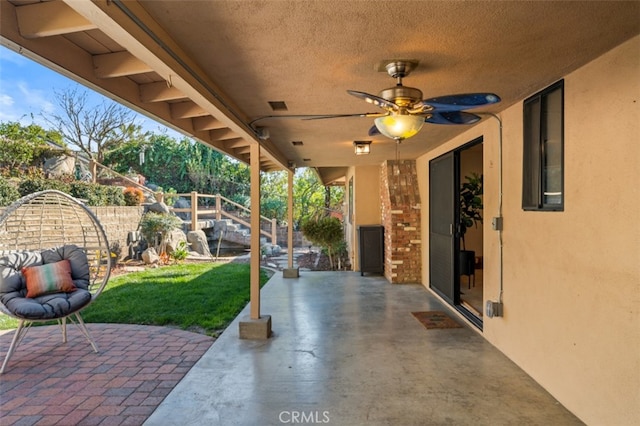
48 278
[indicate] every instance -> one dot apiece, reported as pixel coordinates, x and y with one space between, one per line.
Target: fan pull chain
397 168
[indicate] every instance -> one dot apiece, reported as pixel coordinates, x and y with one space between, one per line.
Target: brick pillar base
401 220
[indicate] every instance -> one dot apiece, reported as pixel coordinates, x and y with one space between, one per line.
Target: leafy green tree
309 195
184 165
23 146
187 165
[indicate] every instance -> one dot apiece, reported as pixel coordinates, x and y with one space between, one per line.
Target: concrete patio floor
347 351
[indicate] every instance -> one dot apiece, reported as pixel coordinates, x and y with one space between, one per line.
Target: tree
92 129
326 232
23 146
184 165
311 196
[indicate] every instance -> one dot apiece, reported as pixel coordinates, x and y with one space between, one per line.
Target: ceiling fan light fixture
362 147
399 126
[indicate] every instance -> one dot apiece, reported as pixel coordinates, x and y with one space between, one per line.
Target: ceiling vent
278 106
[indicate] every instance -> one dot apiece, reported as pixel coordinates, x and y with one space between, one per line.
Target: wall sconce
362 147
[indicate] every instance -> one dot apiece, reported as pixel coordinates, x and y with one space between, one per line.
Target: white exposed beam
119 64
50 19
159 92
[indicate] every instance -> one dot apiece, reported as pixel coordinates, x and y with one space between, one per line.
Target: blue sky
27 90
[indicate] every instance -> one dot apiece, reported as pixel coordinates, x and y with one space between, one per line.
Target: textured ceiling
309 53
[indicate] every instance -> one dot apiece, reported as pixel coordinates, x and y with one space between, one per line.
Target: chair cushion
13 289
48 278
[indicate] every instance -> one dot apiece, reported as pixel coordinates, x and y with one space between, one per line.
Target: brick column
401 220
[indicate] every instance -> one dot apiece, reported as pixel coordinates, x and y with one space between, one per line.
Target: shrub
93 194
181 252
326 232
87 192
154 225
169 198
133 196
31 185
113 195
8 192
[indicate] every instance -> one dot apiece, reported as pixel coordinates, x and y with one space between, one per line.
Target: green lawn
201 297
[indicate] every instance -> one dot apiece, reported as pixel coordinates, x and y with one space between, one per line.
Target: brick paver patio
51 383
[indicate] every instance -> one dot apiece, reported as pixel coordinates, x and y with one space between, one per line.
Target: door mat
435 319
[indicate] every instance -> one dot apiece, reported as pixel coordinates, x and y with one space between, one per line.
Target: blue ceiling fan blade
457 102
452 117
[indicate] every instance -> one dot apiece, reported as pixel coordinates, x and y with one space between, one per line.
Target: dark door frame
451 293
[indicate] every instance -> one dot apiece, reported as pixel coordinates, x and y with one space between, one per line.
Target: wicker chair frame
48 219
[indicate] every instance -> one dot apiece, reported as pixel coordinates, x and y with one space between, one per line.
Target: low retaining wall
118 222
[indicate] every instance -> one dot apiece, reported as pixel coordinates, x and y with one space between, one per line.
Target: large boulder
182 203
161 208
271 250
58 166
150 256
174 238
199 243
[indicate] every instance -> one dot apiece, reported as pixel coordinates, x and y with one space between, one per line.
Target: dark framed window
543 168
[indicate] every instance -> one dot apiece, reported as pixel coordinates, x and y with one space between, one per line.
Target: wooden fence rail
220 211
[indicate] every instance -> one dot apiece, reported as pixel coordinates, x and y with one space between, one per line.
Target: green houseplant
470 215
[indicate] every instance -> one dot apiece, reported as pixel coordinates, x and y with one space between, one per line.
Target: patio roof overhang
211 69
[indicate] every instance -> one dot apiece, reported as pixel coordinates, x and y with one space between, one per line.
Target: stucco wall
366 205
571 279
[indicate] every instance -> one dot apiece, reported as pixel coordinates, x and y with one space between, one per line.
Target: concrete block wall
400 202
118 222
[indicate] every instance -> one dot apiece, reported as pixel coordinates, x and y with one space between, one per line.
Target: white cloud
35 99
6 100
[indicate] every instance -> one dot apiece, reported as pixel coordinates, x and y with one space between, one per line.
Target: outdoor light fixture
362 147
399 126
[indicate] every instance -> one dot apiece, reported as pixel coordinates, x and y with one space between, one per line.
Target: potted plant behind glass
470 215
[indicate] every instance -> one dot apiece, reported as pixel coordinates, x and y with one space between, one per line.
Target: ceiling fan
406 111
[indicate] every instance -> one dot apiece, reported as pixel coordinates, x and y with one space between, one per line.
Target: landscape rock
161 208
58 166
198 242
182 203
150 256
174 238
